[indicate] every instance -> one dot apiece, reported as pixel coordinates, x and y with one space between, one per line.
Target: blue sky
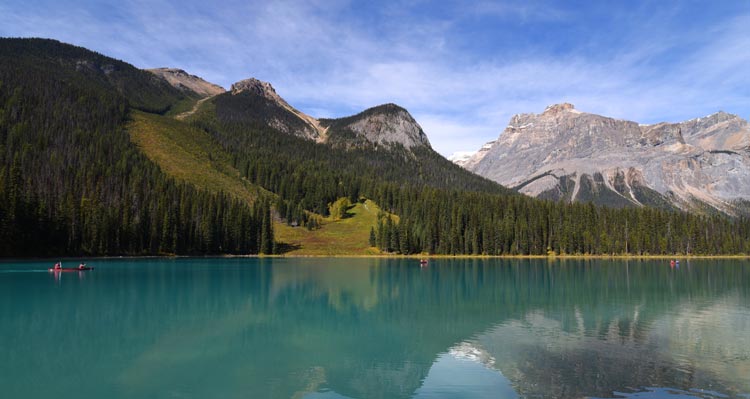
461 68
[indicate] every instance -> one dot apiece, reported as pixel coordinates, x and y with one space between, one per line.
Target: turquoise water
375 328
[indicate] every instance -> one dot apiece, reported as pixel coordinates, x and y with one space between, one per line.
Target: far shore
386 256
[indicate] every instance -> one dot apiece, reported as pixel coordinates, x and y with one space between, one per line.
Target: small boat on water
59 269
71 269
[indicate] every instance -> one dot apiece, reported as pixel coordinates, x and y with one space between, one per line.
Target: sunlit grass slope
348 236
188 154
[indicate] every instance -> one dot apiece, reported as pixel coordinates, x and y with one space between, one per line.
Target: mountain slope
383 143
566 154
252 101
187 82
189 155
72 182
67 63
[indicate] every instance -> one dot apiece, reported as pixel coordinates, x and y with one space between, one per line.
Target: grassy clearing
348 236
188 154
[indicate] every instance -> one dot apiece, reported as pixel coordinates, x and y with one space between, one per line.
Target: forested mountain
84 170
72 183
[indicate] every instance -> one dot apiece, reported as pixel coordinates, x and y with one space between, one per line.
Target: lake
375 328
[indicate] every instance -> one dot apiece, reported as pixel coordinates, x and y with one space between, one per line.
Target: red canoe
71 269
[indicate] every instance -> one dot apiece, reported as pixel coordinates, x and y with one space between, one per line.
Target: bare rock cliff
384 125
566 154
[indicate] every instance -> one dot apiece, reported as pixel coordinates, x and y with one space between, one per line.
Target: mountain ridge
690 165
384 124
184 81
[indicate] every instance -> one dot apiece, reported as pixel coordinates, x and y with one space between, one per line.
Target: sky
461 68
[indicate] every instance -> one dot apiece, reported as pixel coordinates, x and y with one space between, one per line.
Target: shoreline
385 256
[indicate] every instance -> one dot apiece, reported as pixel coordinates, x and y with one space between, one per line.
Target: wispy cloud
525 11
463 71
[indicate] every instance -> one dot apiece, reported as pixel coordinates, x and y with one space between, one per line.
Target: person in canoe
81 266
58 266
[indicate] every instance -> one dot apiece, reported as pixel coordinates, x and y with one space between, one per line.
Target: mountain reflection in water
378 328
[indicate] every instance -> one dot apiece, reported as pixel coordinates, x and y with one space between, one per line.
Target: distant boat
423 262
71 269
59 269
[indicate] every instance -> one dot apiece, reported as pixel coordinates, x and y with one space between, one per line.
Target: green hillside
188 154
73 183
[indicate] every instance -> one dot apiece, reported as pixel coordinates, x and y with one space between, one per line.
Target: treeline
450 211
441 222
72 183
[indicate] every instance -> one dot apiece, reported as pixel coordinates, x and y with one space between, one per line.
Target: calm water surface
375 328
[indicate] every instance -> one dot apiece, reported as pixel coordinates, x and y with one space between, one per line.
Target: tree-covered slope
72 182
234 127
189 155
79 66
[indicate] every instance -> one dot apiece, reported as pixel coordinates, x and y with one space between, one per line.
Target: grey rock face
257 87
187 82
557 153
385 125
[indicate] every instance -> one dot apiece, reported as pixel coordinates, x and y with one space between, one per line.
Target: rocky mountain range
564 154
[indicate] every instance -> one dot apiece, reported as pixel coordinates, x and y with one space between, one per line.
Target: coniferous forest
72 183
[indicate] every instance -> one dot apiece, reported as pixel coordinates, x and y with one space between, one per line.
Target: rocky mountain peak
389 108
289 119
558 108
257 87
385 124
566 154
187 82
